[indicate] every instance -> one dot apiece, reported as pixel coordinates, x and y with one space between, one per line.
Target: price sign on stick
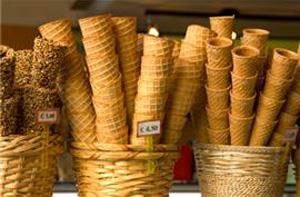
290 135
148 128
50 116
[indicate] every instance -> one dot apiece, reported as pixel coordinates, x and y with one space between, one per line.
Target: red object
183 170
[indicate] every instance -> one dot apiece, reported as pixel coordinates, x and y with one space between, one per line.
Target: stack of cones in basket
153 84
105 79
243 93
277 85
77 94
258 38
188 72
217 88
129 59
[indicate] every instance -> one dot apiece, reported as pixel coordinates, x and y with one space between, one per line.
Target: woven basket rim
249 149
115 152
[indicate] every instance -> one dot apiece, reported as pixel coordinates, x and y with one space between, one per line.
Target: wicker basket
22 172
113 170
240 171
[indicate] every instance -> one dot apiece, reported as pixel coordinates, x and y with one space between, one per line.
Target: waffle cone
284 63
176 49
243 87
146 87
256 38
262 131
219 136
219 52
218 78
191 52
285 121
242 107
98 44
240 130
275 87
276 140
222 25
124 25
245 60
174 122
83 136
217 119
154 46
186 69
217 99
114 137
268 108
140 44
127 42
292 105
296 160
96 25
198 35
150 104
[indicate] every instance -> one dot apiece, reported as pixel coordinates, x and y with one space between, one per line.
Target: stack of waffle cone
76 86
186 82
217 88
257 38
140 46
153 82
278 82
222 25
129 56
243 94
105 79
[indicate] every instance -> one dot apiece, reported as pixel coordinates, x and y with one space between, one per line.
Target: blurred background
19 18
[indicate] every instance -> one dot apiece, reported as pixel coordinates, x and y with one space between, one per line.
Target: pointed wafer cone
276 88
176 49
198 35
245 60
186 69
286 121
219 52
115 137
150 104
96 25
241 107
256 38
218 78
219 136
217 99
284 63
147 86
96 44
292 105
174 121
269 108
262 131
217 119
222 25
240 130
276 140
243 87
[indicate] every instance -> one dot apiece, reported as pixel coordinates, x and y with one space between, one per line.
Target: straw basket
23 172
113 170
240 171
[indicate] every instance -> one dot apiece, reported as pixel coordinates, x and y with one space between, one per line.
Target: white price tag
291 134
147 128
50 116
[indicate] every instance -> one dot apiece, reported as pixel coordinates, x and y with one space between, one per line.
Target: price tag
148 128
50 116
290 135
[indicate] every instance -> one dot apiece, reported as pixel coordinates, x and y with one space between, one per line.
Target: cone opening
242 99
256 31
277 79
222 17
263 97
220 42
245 52
287 54
244 78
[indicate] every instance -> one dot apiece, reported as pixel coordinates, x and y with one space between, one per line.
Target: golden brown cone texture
222 25
105 79
268 109
60 31
240 129
130 54
256 38
156 67
188 71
